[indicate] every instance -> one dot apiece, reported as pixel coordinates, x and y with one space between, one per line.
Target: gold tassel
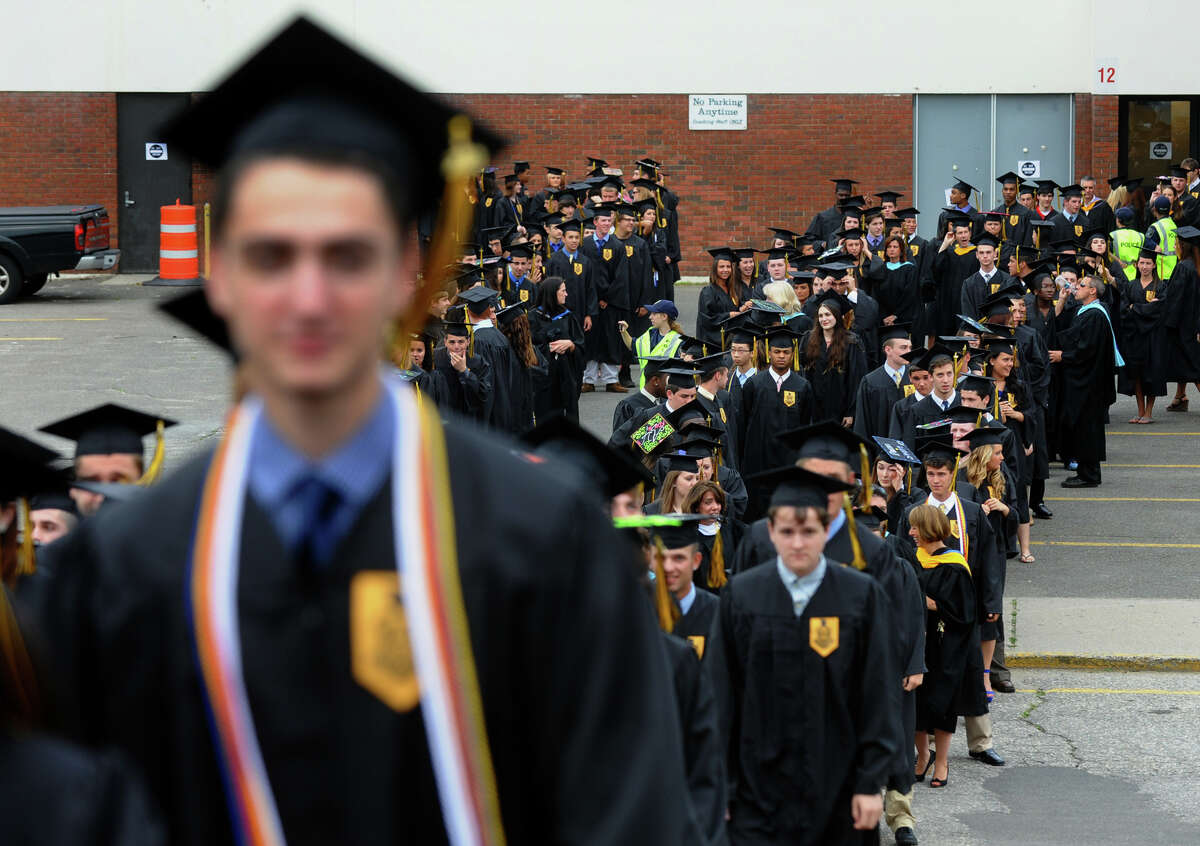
156 461
26 558
716 564
957 365
664 604
796 356
21 685
954 475
864 461
908 480
859 563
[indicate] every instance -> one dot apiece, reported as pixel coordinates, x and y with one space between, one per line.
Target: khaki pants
979 732
897 810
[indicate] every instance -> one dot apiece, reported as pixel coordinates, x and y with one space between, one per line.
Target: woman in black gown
1182 321
718 536
722 298
533 373
899 289
953 684
834 362
558 335
1143 338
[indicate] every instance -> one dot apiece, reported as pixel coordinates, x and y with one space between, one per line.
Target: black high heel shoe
921 775
941 782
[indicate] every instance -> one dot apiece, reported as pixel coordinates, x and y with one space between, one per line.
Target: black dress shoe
1002 685
1041 512
989 757
906 837
1076 482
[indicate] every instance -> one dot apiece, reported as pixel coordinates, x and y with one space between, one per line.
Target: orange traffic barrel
178 248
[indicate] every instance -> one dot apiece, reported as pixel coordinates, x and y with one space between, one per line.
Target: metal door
977 137
150 174
953 141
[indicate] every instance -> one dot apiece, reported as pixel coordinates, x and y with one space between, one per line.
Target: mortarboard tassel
664 605
859 563
954 476
795 355
908 480
957 365
716 563
156 461
27 558
864 463
23 701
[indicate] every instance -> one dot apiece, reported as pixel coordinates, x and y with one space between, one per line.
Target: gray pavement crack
1026 717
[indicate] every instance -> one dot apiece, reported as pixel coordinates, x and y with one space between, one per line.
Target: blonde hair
1117 197
783 295
977 470
931 524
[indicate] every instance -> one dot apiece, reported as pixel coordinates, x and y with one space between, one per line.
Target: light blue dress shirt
356 470
685 604
801 588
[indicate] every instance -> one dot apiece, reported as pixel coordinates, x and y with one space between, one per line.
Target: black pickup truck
40 240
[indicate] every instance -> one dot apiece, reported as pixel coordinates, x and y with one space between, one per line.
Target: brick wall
59 148
1097 138
731 184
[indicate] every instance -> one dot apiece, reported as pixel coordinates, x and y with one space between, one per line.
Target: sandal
1146 421
1178 404
1026 558
940 782
1135 420
991 694
928 765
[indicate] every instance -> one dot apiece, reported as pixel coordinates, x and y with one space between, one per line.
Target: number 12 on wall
1106 75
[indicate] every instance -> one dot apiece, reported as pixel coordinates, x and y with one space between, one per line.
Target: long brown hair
517 332
733 285
836 355
666 493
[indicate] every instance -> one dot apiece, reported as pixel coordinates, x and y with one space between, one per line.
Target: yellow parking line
1119 543
1114 691
30 339
51 319
1122 499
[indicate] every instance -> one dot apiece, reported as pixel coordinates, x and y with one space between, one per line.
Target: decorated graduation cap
308 91
112 429
612 470
796 487
896 451
972 324
478 299
193 310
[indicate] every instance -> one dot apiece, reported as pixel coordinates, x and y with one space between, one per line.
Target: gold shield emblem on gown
789 398
1078 230
381 657
909 390
629 251
724 419
577 267
488 202
823 635
697 642
524 296
1013 219
607 254
1149 296
916 248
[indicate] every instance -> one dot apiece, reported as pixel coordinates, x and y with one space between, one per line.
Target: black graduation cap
966 187
693 410
192 310
307 90
743 252
680 376
574 224
495 233
510 178
59 499
682 461
828 439
1115 182
994 216
652 365
1027 188
784 234
521 250
872 212
971 323
1133 183
996 346
1046 186
458 328
595 163
697 431
612 470
934 441
889 196
987 239
722 253
785 253
107 429
781 335
831 297
914 356
957 343
870 518
676 531
960 413
565 197
1070 191
989 434
696 446
710 364
1001 330
1000 302
26 467
852 233
1009 178
853 204
558 171
908 213
896 451
744 333
518 167
1095 232
896 330
978 383
478 299
1178 172
844 184
511 313
799 488
1188 233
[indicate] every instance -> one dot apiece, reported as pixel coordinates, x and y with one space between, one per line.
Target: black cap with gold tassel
112 429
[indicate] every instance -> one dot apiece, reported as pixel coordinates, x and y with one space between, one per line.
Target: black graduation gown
704 759
953 684
507 397
56 794
1143 338
803 733
824 224
563 370
662 282
532 382
1182 323
951 267
630 406
721 416
582 747
1015 229
521 291
899 294
577 273
876 396
697 623
763 413
970 211
508 211
713 307
866 326
729 533
900 420
834 388
1088 391
1101 216
1004 527
1065 228
469 393
610 278
639 268
975 290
